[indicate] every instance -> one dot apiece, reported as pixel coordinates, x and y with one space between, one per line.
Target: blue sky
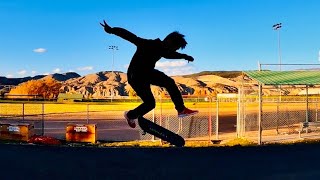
58 36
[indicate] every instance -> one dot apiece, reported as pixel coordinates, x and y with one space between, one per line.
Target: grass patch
192 144
240 142
308 141
296 142
133 144
195 144
162 144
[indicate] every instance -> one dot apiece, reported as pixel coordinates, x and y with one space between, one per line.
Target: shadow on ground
61 162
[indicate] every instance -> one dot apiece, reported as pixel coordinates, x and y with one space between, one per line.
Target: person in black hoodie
142 73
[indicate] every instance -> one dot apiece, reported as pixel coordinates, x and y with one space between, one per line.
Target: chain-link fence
51 119
283 118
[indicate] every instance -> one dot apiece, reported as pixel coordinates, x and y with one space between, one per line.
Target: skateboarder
142 73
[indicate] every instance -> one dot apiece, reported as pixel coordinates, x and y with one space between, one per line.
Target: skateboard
154 129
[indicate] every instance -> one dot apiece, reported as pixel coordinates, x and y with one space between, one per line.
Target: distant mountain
16 81
63 77
98 85
104 84
56 76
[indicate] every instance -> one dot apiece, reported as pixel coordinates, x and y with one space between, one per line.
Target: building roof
285 77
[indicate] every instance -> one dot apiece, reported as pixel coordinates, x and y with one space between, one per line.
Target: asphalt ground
65 162
111 128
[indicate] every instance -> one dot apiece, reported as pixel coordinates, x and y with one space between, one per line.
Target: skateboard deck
160 132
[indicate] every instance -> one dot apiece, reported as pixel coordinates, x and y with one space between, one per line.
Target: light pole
113 48
277 27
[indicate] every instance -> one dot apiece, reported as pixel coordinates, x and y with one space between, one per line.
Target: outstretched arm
176 55
123 33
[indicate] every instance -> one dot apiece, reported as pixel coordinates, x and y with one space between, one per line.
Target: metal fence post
42 120
210 119
307 107
153 122
238 114
217 120
238 117
160 110
307 104
316 109
22 111
260 115
87 113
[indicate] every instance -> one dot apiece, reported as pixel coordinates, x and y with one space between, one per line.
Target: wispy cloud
22 72
40 50
33 72
167 64
9 75
57 70
86 68
173 68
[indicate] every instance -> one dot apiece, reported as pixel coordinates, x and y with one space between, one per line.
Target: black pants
141 83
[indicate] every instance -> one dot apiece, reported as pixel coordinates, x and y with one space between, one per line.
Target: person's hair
177 38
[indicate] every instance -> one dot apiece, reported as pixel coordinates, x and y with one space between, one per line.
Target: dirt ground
61 162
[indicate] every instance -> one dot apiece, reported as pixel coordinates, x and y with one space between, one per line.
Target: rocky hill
57 76
7 83
106 83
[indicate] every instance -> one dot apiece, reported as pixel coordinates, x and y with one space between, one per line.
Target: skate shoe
187 112
131 122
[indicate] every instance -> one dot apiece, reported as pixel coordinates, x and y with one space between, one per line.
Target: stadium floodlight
113 48
277 27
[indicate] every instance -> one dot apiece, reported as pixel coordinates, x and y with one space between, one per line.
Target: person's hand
106 27
189 58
